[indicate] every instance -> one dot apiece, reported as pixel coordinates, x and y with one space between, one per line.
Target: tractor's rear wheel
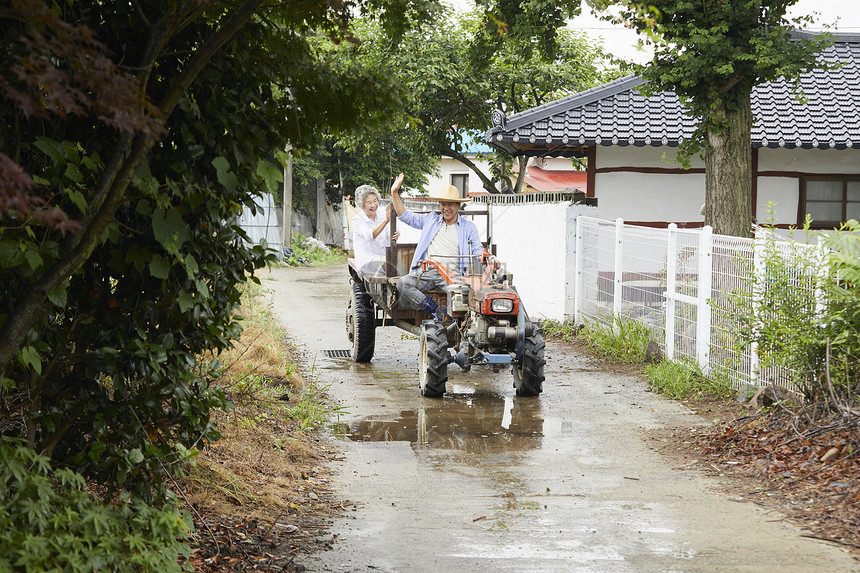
360 324
432 359
528 374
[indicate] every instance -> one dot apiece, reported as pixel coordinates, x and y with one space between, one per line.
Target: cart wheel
528 374
432 359
360 324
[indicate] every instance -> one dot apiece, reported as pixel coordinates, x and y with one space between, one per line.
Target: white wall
537 243
552 163
647 196
784 193
648 156
817 161
678 197
650 196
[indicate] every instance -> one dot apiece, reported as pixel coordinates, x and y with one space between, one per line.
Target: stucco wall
810 161
784 190
635 196
650 196
537 243
631 156
678 197
784 193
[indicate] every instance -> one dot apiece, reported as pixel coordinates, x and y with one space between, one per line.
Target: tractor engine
492 317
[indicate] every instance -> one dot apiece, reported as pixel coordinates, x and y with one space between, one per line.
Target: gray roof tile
616 114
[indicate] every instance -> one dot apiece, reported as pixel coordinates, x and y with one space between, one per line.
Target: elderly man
445 236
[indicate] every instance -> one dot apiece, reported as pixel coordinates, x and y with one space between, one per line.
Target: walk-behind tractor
485 323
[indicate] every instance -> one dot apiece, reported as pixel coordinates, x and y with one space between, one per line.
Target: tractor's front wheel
528 374
360 324
432 359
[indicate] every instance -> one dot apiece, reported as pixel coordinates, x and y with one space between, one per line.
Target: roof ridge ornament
500 119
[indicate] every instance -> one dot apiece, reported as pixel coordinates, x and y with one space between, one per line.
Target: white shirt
445 247
369 251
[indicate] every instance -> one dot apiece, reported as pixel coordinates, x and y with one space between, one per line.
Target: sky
621 42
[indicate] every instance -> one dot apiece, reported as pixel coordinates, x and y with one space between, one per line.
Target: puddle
478 422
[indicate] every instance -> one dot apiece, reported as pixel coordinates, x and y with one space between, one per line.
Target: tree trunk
728 175
523 163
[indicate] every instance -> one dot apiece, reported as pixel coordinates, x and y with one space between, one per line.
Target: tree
461 70
372 155
133 134
452 74
712 54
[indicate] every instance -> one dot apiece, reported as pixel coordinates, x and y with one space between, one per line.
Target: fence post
758 279
671 277
577 281
619 266
821 277
703 309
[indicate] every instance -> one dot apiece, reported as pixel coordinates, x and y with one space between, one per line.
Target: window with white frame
461 182
830 201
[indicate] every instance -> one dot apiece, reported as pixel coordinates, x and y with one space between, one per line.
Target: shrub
813 331
49 521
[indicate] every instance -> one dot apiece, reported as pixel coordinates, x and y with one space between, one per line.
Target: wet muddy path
483 480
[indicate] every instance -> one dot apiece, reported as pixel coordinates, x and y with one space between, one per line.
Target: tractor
485 324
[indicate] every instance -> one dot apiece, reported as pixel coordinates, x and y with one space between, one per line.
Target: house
806 154
542 173
456 173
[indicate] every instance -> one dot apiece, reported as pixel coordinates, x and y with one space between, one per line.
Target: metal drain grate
337 353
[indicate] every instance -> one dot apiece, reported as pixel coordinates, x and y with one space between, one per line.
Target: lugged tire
360 324
432 359
528 374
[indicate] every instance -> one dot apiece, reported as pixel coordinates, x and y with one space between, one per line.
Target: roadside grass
618 341
626 341
684 380
260 466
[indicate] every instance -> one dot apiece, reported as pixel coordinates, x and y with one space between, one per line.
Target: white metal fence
678 282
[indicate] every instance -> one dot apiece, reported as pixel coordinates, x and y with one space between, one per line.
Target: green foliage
49 522
620 340
457 72
353 161
448 77
312 410
103 319
713 53
803 312
684 379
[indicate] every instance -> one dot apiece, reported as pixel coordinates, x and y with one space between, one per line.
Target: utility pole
287 231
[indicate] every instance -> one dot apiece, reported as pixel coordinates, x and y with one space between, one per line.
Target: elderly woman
370 231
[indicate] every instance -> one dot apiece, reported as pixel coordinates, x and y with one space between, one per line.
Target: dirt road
485 481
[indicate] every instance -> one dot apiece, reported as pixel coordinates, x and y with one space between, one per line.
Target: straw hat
448 194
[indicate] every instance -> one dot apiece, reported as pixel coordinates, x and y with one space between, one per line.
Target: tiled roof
617 114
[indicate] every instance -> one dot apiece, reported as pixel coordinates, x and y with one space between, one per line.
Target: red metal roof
555 179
